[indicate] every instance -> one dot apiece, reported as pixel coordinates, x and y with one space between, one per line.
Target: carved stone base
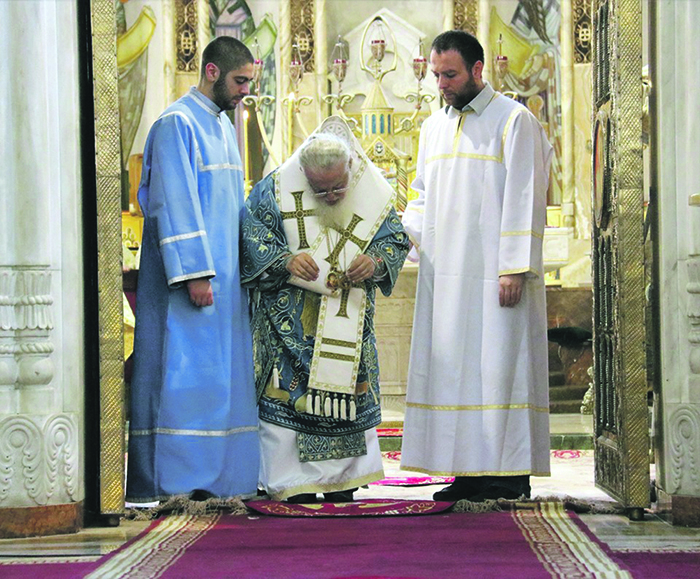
679 510
394 403
16 523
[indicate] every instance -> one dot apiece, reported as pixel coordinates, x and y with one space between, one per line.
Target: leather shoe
508 487
302 498
462 488
201 495
340 496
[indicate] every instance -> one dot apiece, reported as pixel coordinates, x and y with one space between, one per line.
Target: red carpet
364 508
542 542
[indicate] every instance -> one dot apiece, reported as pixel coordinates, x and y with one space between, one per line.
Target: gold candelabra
293 102
420 69
339 67
254 102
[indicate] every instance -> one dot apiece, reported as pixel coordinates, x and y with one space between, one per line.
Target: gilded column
482 33
169 56
567 114
187 45
285 43
448 14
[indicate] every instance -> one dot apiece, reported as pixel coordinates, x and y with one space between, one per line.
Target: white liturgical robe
477 398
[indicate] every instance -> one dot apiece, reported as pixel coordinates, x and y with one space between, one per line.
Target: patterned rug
389 432
363 508
544 541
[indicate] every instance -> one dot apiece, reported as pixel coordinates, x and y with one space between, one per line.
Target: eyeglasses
334 190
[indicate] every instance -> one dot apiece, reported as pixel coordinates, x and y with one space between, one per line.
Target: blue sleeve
169 199
390 245
264 244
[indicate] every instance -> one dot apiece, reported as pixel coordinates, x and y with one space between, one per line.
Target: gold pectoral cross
345 236
299 214
338 280
336 277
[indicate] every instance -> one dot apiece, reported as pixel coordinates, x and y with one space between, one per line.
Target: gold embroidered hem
474 473
520 270
519 233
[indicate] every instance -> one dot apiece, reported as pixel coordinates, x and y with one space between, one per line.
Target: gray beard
336 216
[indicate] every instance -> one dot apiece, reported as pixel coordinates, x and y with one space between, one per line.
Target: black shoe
462 488
302 498
509 488
340 496
200 495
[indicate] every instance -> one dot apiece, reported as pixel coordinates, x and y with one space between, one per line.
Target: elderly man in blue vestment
193 428
321 235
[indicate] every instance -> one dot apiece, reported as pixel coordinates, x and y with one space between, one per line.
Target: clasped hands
304 267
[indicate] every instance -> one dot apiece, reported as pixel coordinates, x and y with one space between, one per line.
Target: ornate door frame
621 417
105 376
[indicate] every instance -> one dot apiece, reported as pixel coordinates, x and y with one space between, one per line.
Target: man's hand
361 268
200 292
303 266
510 289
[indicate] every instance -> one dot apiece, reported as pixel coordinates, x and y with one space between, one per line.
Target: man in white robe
477 398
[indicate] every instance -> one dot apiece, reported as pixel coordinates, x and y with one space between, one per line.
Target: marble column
677 108
41 269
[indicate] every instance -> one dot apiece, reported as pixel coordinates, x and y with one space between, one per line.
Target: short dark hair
227 53
466 44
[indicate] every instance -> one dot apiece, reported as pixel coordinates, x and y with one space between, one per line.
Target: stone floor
572 475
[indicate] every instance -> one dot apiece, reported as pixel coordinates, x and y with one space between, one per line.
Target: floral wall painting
235 18
531 43
132 66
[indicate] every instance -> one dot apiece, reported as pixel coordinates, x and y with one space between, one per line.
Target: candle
290 124
420 67
246 145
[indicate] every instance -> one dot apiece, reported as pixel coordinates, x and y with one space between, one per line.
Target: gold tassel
336 413
327 404
309 315
317 403
353 409
343 408
275 378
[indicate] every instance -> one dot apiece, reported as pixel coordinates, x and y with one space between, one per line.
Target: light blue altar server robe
193 413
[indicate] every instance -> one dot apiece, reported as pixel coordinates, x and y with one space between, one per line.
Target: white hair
324 151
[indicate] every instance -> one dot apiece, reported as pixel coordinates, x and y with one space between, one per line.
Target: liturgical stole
338 343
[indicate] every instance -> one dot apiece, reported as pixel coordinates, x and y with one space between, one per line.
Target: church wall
41 302
677 84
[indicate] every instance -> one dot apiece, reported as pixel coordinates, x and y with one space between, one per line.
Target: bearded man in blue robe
320 237
193 428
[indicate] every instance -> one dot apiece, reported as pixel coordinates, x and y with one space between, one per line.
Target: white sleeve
412 219
527 158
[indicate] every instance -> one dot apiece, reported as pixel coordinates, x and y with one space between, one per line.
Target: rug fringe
183 505
579 506
582 506
465 506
